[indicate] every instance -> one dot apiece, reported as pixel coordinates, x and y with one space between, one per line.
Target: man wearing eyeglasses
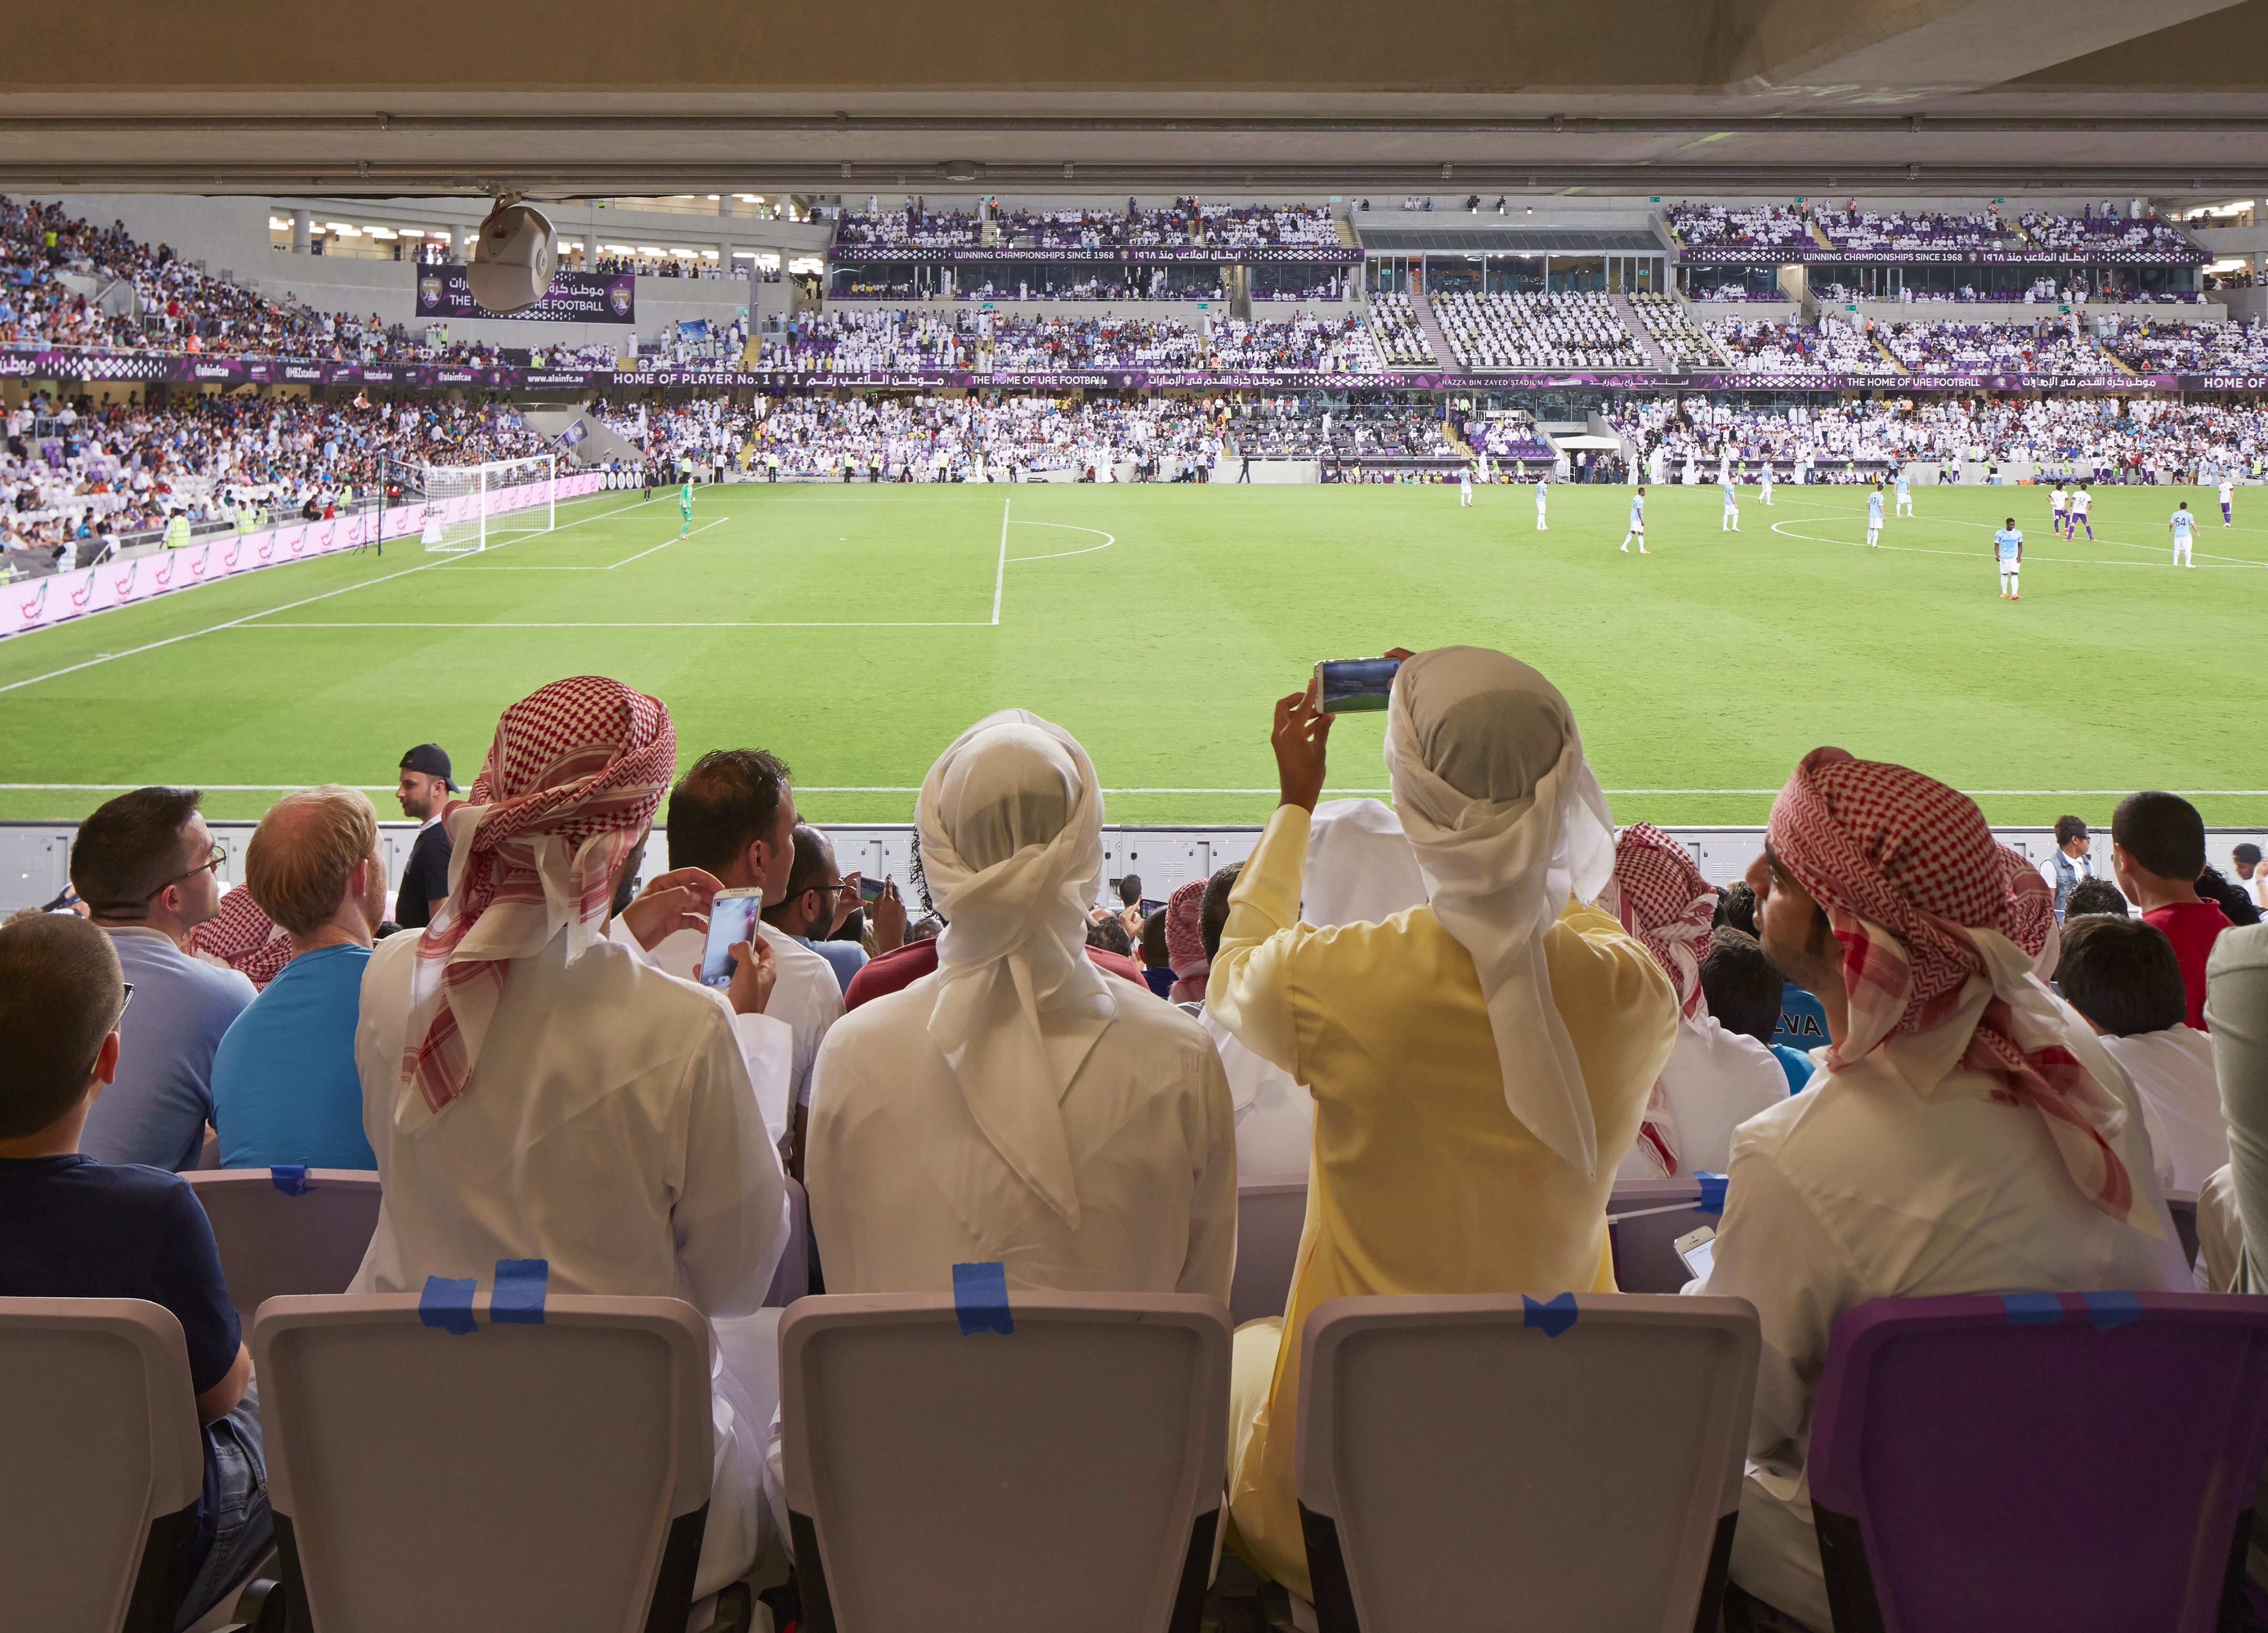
818 902
148 871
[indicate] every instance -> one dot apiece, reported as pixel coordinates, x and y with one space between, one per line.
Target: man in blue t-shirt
71 1227
147 868
2008 547
284 1085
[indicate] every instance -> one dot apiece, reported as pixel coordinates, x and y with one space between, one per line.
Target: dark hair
2011 522
1154 955
2093 895
728 799
2068 828
1109 935
2236 905
2121 974
1212 910
130 849
60 993
805 873
1737 908
1742 987
2161 831
929 927
1130 890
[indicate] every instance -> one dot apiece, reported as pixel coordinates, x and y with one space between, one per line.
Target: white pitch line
665 543
2225 564
131 652
1000 573
1108 538
428 623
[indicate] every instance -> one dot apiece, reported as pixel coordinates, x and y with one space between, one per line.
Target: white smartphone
1698 1250
731 920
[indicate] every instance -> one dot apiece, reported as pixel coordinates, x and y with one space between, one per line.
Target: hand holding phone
732 923
1698 1250
1346 686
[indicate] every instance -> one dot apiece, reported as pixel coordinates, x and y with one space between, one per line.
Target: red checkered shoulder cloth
573 778
2031 910
1913 887
1185 951
1662 899
243 937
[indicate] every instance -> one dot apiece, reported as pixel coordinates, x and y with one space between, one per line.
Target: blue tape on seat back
447 1303
1712 1193
1553 1315
291 1177
2105 1311
980 1298
2032 1309
519 1294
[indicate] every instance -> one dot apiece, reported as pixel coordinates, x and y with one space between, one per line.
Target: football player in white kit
2228 497
1905 493
1540 489
2179 525
1875 514
1636 522
2082 500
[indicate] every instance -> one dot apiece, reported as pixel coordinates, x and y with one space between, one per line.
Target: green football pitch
856 630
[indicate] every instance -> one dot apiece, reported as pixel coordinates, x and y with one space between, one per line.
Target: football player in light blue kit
2179 525
1541 476
1636 522
1732 501
1875 514
2008 547
1905 494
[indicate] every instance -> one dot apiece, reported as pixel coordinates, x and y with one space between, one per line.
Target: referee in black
424 791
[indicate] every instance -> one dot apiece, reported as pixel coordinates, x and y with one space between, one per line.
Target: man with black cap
424 790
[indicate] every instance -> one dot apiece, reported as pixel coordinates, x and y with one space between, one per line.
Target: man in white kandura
532 1091
1636 522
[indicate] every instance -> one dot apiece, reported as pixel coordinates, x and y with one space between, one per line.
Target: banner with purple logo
1144 255
572 297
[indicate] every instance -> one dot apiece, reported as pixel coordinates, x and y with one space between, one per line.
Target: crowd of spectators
2237 347
1359 993
2051 347
1764 227
1883 234
1880 235
856 341
1400 342
2109 237
1186 223
1537 331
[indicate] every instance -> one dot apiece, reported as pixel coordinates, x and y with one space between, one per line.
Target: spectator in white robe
732 815
1715 1079
532 1091
2236 1018
1966 1133
1017 1105
2122 978
1360 869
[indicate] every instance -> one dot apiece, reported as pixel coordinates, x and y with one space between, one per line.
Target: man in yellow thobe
1478 1064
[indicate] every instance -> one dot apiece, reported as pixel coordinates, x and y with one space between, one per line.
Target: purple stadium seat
2068 1461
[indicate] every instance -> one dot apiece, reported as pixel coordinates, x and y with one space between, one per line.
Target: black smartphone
1348 686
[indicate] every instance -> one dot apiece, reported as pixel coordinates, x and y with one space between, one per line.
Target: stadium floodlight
513 257
477 507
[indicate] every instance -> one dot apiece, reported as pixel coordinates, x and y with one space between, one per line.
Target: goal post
475 507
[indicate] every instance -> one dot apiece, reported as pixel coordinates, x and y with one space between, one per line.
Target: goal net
472 507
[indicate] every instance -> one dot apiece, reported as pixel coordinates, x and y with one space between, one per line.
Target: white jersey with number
2079 501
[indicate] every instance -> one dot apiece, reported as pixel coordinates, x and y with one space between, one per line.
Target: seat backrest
2075 1461
1270 1217
1643 1218
945 1474
1482 1460
792 1279
105 1461
2183 1205
529 1469
284 1230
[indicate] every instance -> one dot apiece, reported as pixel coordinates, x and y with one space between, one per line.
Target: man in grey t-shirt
148 869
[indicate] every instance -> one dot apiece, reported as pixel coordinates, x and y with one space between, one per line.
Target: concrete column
590 249
723 203
724 257
298 231
449 243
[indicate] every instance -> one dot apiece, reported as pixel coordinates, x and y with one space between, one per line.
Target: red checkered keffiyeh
2031 915
1913 887
1185 951
1662 899
243 937
569 784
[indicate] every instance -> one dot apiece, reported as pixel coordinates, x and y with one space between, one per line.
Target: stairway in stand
1655 357
1430 327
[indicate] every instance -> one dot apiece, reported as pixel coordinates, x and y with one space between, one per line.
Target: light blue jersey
1874 508
2007 542
2183 521
1902 484
1730 496
1638 512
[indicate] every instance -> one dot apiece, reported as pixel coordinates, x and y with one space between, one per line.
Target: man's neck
59 1138
166 924
338 933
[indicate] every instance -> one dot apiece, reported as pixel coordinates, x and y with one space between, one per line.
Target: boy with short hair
71 1227
2157 850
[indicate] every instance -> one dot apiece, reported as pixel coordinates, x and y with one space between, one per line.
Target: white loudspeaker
513 258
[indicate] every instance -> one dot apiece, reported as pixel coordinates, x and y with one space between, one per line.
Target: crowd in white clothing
1537 331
